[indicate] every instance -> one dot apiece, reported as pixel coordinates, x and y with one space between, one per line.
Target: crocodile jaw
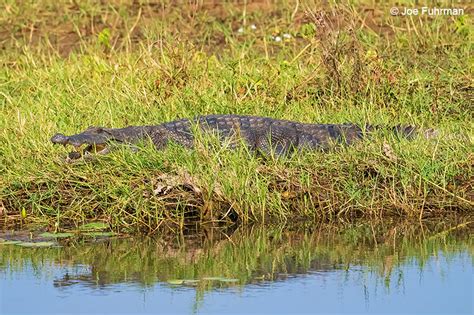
95 139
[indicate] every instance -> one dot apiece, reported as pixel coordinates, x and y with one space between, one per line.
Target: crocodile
262 134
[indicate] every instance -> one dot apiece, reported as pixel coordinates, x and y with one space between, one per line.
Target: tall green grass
67 66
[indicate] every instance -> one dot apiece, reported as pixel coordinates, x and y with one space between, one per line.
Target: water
357 269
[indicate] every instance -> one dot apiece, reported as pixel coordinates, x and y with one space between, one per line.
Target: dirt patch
115 26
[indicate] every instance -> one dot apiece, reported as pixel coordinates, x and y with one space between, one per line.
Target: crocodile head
92 140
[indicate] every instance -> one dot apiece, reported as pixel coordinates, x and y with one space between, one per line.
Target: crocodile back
261 133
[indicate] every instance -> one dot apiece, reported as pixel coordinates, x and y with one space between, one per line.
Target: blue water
441 285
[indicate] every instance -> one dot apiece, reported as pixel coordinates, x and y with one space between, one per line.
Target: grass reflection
218 258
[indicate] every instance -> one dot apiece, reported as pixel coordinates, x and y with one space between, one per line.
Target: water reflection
359 267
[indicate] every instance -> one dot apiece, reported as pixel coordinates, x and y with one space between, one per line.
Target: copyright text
434 11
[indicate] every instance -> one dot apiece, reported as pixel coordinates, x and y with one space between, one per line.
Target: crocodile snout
59 138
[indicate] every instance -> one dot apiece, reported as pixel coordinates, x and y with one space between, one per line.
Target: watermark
429 11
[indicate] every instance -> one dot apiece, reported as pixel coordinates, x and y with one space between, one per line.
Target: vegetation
67 65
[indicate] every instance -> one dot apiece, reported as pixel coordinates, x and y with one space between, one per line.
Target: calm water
401 269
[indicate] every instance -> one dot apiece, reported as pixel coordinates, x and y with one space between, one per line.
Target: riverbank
70 66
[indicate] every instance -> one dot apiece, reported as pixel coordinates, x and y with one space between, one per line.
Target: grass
69 65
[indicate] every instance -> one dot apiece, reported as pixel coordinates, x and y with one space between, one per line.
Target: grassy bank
66 66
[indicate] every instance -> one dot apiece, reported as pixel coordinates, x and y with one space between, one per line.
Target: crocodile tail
411 132
406 131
